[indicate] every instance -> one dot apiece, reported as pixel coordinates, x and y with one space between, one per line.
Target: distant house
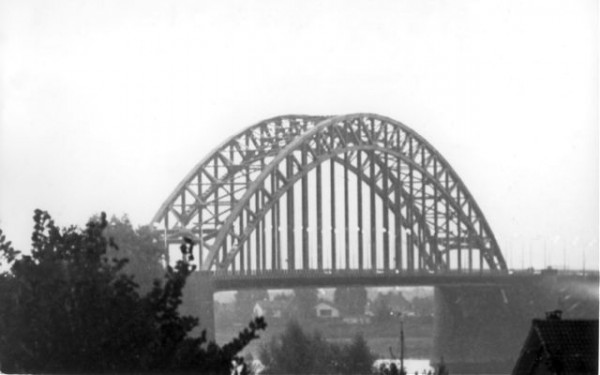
271 309
326 310
556 346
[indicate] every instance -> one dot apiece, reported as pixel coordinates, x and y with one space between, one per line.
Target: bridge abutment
482 328
198 301
477 328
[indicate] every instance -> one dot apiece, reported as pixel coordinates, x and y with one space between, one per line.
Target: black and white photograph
267 187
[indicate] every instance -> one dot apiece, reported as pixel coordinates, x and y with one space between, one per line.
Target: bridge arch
227 196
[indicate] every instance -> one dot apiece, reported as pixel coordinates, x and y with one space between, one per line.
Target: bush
68 307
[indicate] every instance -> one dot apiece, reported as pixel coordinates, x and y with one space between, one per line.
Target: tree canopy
69 307
386 305
296 352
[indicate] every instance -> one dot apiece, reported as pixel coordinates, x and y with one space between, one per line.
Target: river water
420 366
412 366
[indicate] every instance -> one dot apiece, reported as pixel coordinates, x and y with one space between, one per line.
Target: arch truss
347 192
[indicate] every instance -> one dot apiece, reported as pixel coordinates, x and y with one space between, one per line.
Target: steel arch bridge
329 193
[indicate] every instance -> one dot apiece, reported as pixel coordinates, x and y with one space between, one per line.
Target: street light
399 315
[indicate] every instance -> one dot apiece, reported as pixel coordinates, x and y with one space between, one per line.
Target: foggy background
106 105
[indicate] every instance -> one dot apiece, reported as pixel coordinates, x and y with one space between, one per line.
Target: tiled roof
564 346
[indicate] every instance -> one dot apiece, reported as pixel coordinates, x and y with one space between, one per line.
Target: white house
326 310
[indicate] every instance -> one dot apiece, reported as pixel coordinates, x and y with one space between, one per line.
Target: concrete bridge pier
478 328
198 296
482 328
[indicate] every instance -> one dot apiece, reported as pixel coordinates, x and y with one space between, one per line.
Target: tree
304 302
351 301
295 352
388 304
358 359
381 309
291 353
68 307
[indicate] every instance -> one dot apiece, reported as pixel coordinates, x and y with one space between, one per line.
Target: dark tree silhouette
358 359
291 353
68 307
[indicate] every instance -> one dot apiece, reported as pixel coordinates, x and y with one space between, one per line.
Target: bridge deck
284 279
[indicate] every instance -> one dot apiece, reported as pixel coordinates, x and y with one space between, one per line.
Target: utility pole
402 372
401 345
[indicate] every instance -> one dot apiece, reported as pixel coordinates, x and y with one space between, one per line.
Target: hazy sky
106 105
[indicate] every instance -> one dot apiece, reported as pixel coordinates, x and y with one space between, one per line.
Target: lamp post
399 315
402 372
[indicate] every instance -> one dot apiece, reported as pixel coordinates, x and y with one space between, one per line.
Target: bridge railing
391 272
554 271
346 273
